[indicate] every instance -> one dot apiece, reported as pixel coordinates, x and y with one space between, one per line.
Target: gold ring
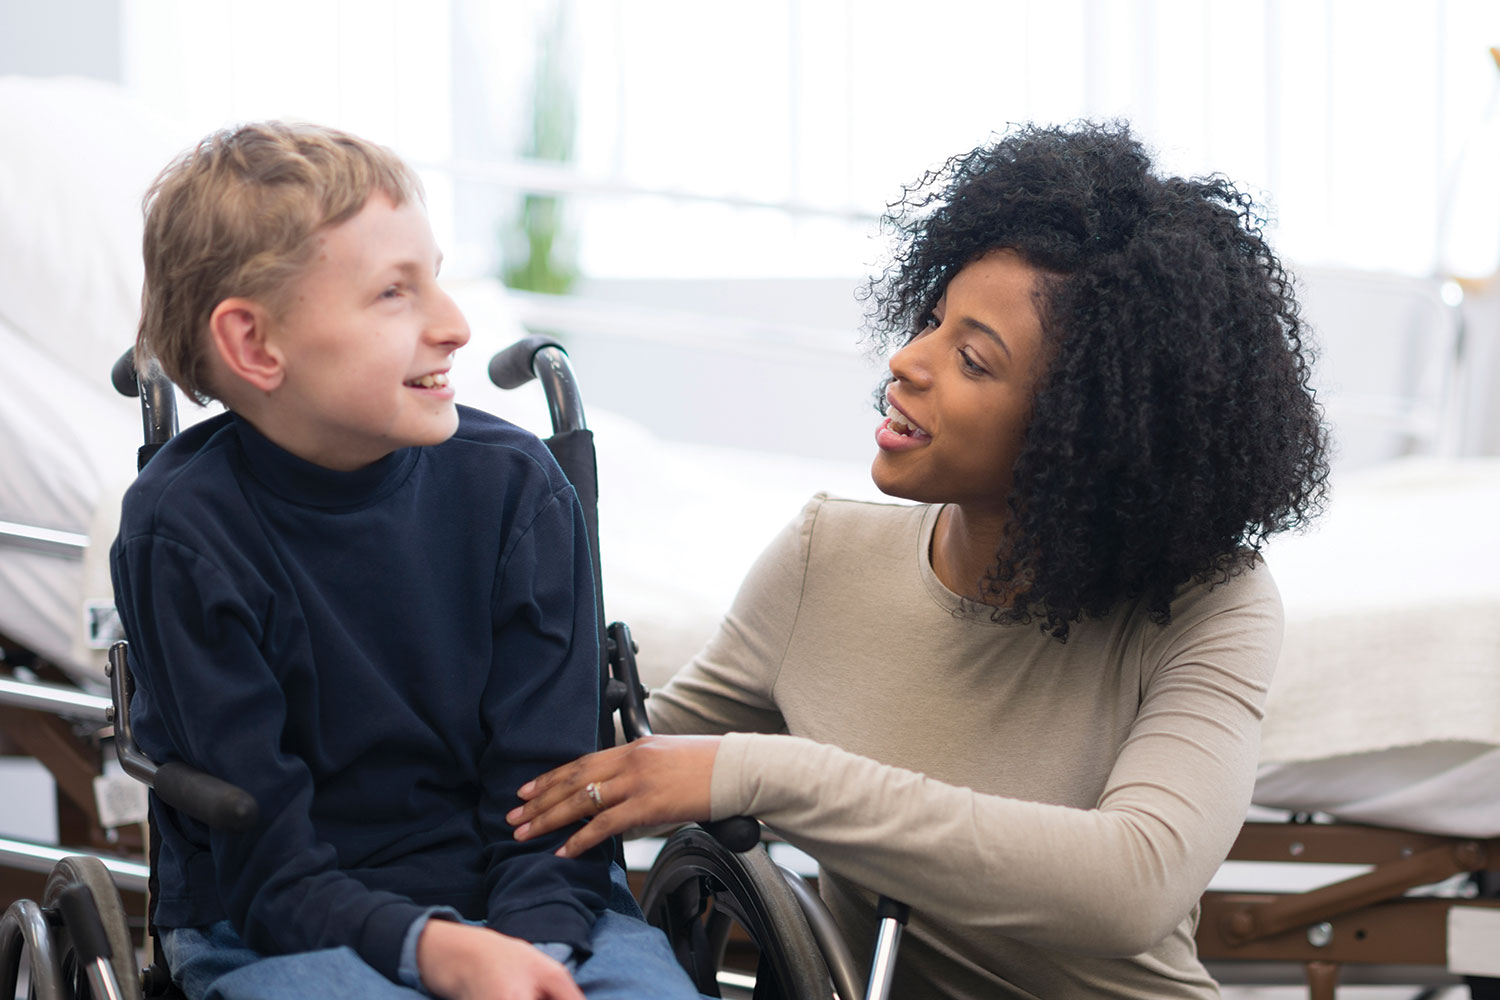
592 790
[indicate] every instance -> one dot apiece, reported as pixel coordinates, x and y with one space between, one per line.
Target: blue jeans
631 961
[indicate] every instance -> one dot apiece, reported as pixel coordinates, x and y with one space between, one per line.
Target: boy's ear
239 328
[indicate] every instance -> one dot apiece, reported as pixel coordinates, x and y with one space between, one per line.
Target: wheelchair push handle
511 367
544 359
123 377
158 401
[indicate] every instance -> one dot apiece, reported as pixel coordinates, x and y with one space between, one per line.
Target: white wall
57 37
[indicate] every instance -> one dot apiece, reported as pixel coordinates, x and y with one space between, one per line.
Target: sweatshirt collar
311 485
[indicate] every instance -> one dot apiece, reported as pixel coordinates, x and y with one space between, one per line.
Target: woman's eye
969 363
930 323
392 292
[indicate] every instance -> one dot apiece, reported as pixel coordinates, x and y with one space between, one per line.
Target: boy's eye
391 292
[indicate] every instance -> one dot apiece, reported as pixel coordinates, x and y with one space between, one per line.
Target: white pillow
79 156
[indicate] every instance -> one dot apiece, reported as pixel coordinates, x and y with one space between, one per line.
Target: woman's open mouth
897 432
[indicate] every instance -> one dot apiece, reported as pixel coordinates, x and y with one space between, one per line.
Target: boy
368 607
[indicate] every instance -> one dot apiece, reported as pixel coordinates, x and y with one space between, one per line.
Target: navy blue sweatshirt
381 658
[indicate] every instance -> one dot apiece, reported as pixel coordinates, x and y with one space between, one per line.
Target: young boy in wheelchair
371 609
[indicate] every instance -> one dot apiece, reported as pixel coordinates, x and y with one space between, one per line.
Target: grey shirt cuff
407 969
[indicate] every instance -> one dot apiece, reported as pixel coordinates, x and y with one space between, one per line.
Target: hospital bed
1385 711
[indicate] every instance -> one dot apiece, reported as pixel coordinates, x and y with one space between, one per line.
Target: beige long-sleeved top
1051 812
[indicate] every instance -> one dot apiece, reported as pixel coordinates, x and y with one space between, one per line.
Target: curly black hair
1173 428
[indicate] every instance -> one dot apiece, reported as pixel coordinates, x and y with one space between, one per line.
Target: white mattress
62 444
1386 703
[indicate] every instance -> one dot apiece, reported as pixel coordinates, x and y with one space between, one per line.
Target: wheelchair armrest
625 693
202 796
737 833
205 798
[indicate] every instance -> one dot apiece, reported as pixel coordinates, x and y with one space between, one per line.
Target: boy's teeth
431 381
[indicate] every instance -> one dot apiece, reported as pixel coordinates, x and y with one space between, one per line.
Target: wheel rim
745 889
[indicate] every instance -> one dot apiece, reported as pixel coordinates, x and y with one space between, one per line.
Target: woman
1028 706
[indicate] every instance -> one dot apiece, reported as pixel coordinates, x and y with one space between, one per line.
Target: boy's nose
448 325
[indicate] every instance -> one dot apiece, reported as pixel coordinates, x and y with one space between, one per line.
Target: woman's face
961 390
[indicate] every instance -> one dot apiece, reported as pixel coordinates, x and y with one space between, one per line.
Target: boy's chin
440 430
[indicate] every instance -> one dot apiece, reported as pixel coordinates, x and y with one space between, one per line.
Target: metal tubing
69 544
158 405
883 967
135 763
26 920
841 967
564 404
102 980
23 855
55 699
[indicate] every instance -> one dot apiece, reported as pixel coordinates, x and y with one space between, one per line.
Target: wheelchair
708 882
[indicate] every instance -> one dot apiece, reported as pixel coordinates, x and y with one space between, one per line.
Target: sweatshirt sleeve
206 696
1110 880
541 710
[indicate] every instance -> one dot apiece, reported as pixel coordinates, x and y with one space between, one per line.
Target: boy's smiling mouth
432 380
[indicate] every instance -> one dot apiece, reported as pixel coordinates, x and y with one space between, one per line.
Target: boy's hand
464 962
654 780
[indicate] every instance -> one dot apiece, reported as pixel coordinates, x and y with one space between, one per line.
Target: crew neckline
950 602
312 485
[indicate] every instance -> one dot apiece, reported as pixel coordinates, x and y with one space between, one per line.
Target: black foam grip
738 833
218 803
122 376
84 926
511 367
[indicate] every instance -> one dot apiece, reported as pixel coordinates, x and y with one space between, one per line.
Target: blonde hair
237 216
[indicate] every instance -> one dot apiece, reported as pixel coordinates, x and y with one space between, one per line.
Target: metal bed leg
1322 980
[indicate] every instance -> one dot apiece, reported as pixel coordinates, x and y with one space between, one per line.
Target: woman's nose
909 364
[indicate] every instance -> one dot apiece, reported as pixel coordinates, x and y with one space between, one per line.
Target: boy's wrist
409 969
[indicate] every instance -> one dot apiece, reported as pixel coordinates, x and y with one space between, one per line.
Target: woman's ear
239 328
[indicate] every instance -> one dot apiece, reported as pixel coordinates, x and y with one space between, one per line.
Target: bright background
755 140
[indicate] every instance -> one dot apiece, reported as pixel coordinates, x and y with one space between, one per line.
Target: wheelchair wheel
697 889
91 873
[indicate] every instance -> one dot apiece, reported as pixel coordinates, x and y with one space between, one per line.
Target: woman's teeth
901 425
435 381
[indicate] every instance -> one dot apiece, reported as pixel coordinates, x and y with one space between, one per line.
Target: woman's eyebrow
970 321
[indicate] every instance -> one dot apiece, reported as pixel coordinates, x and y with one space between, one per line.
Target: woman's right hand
649 782
464 962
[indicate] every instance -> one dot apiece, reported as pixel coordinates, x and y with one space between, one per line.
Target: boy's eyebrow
970 321
414 266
